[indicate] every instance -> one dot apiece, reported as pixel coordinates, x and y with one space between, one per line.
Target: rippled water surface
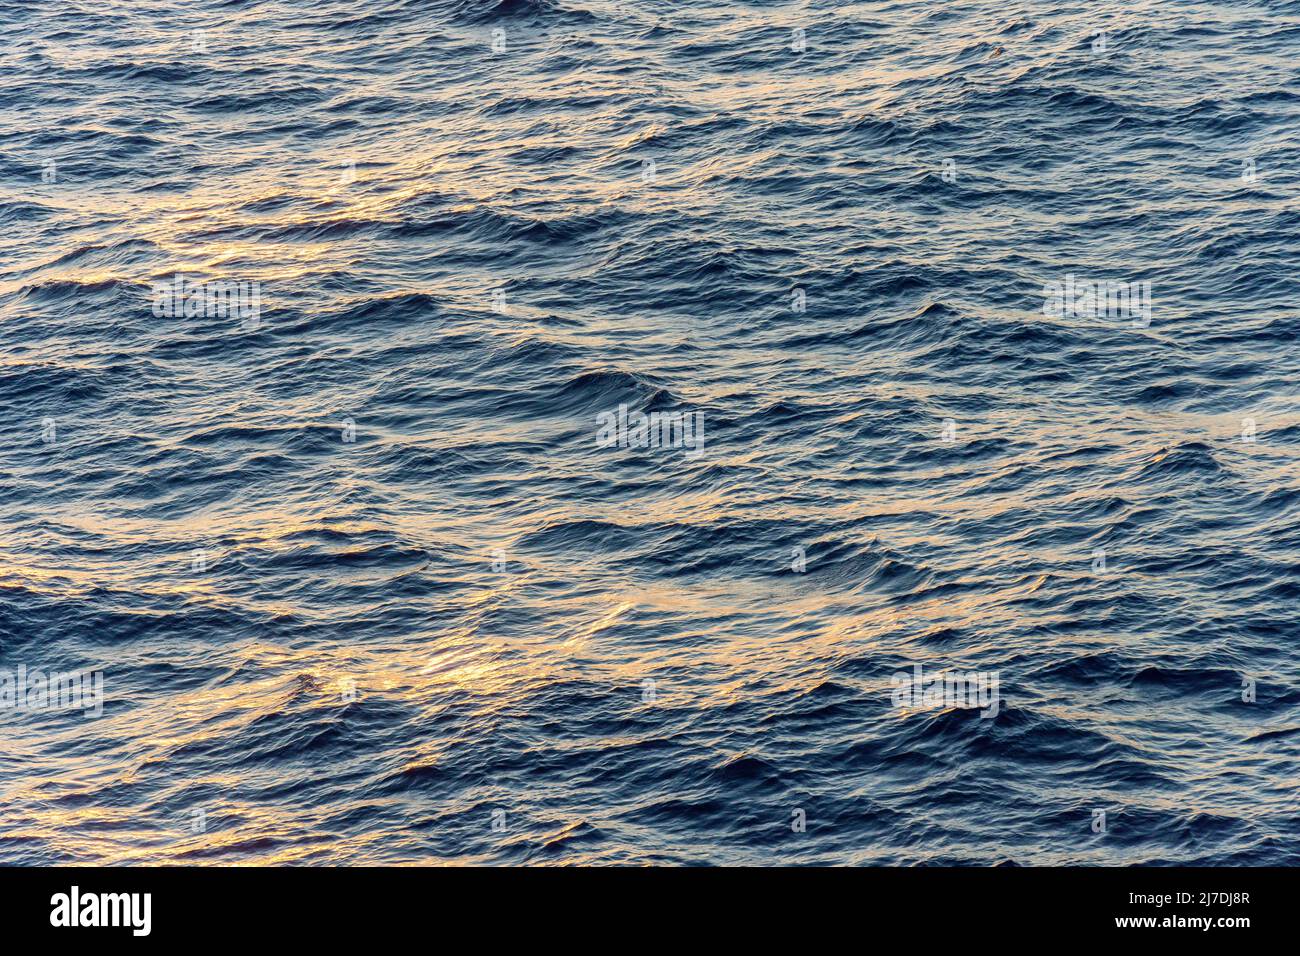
365 586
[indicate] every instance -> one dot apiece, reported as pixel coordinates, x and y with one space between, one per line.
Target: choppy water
374 650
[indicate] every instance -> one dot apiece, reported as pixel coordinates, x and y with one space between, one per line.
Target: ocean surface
368 579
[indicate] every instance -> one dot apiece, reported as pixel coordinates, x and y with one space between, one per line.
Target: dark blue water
364 579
